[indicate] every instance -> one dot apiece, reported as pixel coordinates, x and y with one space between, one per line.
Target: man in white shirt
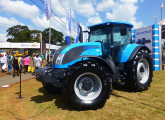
37 62
3 61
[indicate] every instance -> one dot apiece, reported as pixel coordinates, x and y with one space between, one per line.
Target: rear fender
136 50
129 52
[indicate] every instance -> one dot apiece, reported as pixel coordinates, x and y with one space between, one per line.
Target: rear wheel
139 71
86 86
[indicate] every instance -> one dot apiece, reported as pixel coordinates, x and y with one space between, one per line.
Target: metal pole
161 7
161 14
20 97
20 84
154 16
49 30
41 42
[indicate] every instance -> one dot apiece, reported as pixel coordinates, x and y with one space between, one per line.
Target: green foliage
19 34
35 35
64 42
23 34
56 36
72 40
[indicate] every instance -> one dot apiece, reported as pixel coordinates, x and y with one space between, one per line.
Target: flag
47 8
78 30
68 22
68 25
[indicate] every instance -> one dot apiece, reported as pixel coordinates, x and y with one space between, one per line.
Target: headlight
59 59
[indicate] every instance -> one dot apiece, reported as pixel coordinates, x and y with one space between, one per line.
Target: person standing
11 56
26 62
48 59
33 57
9 62
37 62
15 66
3 62
42 57
20 62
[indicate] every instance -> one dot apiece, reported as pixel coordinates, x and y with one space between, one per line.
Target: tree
22 34
19 34
35 35
56 36
72 40
64 42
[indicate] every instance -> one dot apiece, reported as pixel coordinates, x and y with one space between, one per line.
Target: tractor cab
112 35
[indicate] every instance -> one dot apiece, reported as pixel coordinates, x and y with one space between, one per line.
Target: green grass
122 105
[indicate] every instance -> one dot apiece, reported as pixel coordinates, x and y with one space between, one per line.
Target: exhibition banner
144 36
68 22
78 30
47 8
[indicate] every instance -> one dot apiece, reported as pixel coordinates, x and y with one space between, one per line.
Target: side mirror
123 31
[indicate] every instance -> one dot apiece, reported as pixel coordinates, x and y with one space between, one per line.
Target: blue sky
88 12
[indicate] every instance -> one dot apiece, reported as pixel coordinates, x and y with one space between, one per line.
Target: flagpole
41 42
49 30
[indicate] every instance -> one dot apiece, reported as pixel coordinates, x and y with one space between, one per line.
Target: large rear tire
86 86
139 71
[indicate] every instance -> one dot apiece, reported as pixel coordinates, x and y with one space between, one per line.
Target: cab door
121 37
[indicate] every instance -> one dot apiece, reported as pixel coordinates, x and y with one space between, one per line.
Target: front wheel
86 87
139 71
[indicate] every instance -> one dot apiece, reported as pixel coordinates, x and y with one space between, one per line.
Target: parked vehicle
85 71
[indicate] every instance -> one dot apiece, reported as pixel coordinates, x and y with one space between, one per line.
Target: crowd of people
19 63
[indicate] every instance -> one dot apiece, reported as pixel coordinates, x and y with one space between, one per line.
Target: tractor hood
70 54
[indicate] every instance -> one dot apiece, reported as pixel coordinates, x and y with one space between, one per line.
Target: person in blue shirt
42 57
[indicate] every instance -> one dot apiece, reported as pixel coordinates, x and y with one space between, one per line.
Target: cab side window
119 40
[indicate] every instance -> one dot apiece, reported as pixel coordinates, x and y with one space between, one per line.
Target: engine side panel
76 52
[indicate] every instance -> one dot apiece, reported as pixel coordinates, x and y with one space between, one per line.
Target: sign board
20 45
144 36
8 45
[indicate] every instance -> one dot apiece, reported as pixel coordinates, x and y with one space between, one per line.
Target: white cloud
5 22
41 22
19 8
57 8
84 8
124 10
95 20
3 38
105 5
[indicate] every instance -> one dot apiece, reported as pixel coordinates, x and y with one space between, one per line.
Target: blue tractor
84 72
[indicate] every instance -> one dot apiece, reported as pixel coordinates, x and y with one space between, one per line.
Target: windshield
100 35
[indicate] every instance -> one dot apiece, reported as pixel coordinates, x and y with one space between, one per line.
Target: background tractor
85 71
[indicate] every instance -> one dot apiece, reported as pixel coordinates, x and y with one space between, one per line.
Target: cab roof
129 25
